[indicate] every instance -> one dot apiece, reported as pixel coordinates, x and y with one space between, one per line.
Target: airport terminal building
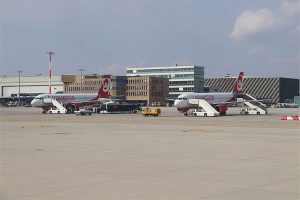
181 78
147 90
91 84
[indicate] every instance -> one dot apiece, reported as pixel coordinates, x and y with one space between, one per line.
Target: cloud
253 22
289 8
250 22
115 69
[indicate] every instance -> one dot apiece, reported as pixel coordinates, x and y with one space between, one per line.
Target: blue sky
260 37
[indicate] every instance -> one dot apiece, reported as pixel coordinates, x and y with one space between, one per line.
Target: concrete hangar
29 85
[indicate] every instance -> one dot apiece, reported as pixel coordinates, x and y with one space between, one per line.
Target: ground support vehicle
84 111
205 114
117 108
148 111
204 108
59 108
252 109
56 111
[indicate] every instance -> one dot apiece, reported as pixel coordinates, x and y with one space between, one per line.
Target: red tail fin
104 89
238 85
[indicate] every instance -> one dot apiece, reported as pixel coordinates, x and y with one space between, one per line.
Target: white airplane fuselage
65 99
182 101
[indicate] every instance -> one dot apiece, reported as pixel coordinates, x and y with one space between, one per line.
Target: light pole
19 71
50 53
81 70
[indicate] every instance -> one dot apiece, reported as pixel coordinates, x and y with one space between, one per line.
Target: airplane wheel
205 114
50 112
58 112
258 113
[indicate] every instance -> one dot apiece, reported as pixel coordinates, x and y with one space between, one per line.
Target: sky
259 37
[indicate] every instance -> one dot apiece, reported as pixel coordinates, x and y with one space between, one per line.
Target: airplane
219 101
72 102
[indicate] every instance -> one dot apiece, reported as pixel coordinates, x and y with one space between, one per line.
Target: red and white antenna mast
50 53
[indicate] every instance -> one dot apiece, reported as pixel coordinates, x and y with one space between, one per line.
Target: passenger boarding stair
57 104
253 103
209 110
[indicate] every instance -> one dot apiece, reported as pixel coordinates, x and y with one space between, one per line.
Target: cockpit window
181 99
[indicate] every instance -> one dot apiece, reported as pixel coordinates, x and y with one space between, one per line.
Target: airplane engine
77 106
221 108
183 110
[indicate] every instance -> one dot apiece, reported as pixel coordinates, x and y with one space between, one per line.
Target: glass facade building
182 79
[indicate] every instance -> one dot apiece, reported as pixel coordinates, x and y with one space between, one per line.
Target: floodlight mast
50 53
81 70
19 72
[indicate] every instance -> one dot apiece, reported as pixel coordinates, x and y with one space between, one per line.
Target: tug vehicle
148 111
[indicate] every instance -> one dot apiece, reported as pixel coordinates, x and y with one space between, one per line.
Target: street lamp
19 71
81 70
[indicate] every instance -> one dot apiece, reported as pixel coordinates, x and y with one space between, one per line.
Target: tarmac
130 157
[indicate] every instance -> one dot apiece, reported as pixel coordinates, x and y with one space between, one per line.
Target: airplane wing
243 101
91 101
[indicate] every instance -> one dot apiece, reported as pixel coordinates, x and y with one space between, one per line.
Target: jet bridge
209 111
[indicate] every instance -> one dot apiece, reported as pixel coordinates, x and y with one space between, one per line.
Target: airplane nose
175 103
33 102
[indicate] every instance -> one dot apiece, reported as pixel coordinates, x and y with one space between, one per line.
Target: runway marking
33 126
200 131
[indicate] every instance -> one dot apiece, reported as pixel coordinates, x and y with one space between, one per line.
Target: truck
84 111
250 111
55 111
205 114
148 111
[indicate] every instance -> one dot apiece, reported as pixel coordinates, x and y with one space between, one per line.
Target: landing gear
45 109
70 108
223 113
